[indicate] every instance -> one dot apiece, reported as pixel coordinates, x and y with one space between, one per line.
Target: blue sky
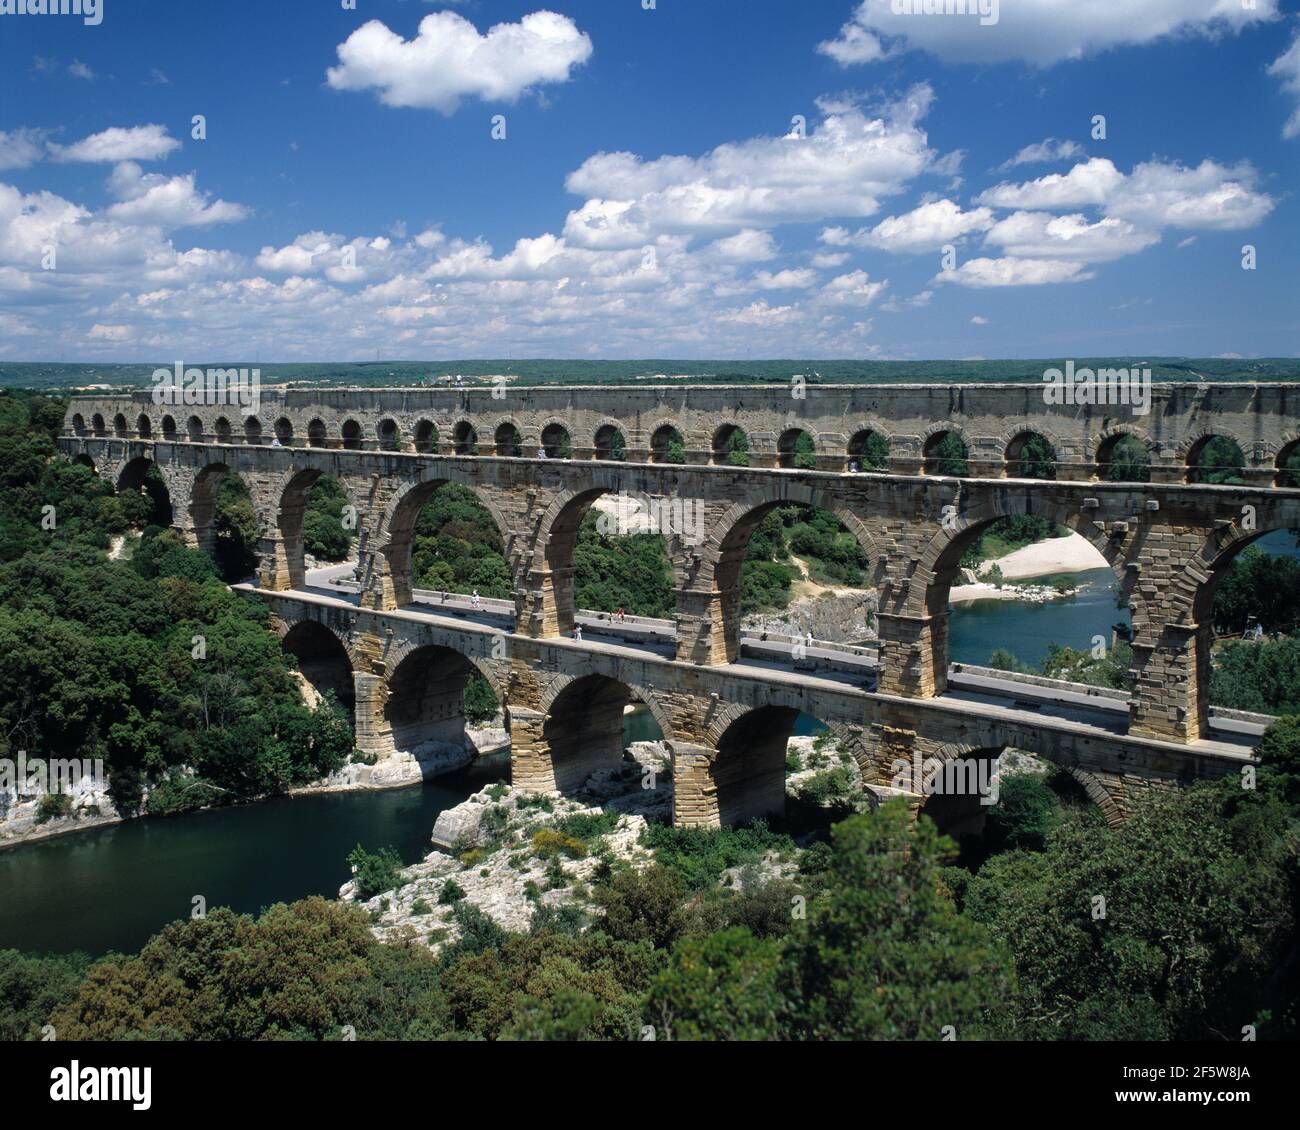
651 197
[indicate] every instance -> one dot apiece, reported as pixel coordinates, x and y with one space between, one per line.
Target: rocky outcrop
26 811
489 853
832 617
411 766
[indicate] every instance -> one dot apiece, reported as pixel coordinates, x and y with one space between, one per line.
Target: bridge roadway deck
1065 705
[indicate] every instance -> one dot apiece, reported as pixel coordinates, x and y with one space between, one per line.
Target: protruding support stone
385 579
530 758
549 602
373 733
708 630
913 654
280 568
1171 683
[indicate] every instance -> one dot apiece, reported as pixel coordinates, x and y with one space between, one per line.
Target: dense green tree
323 533
1037 458
1262 676
628 571
1129 462
949 455
884 954
458 547
738 449
1026 812
1258 588
874 455
303 971
1279 759
1219 460
32 987
723 986
1196 910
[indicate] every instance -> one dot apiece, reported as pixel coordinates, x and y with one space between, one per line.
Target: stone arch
858 441
581 730
1028 741
1013 442
397 528
508 439
1098 794
388 434
203 504
194 429
556 441
557 538
464 438
168 427
97 424
356 660
221 430
78 424
742 777
938 564
723 553
351 434
317 434
494 671
143 426
290 496
1190 598
324 660
723 437
284 431
662 436
608 438
931 439
426 436
120 426
133 476
252 430
557 684
1109 438
1288 450
787 442
1190 450
424 707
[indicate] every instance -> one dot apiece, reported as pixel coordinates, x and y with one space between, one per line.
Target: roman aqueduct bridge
538 458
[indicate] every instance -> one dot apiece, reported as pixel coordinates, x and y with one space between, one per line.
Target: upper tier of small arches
1122 451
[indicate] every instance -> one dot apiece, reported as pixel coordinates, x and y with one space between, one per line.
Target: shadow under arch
583 729
323 662
232 544
143 476
424 709
746 775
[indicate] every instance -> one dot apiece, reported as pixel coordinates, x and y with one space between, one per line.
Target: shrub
377 872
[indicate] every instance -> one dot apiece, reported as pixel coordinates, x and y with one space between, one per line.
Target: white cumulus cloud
1039 32
449 60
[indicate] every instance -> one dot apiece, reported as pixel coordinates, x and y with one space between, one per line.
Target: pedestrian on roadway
577 632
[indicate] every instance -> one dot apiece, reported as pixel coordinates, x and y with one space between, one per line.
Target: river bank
91 806
1053 557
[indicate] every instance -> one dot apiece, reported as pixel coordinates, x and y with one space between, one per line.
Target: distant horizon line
1144 357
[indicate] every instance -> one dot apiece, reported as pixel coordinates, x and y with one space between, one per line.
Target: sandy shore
1071 554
